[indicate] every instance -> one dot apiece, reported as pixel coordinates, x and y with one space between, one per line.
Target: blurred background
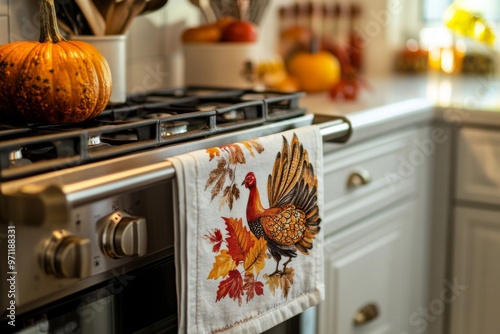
397 36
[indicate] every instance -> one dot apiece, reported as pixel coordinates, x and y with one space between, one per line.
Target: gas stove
155 119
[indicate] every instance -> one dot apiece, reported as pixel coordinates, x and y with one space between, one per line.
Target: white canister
221 64
114 49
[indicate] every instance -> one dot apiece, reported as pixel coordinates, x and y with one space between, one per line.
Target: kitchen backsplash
154 55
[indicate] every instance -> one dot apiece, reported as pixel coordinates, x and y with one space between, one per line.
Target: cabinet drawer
365 177
478 165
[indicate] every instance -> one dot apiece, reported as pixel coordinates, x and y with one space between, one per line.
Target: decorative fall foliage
225 170
243 251
283 281
241 263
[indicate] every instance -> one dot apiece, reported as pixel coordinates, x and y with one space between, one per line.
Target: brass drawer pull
359 178
365 315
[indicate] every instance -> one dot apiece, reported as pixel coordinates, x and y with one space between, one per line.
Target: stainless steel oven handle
50 205
118 183
337 131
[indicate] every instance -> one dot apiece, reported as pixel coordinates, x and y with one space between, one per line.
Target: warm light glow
412 45
447 60
460 46
435 58
444 97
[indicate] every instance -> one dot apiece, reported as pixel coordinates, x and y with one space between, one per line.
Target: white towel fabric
225 280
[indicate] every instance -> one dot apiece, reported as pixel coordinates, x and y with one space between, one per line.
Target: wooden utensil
103 6
93 16
135 10
121 15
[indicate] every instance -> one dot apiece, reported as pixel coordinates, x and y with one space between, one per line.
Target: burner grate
145 121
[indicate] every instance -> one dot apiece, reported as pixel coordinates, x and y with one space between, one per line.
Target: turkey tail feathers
293 182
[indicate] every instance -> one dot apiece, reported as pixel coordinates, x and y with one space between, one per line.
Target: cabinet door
368 266
474 291
478 165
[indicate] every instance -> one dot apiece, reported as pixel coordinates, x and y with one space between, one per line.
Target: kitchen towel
248 245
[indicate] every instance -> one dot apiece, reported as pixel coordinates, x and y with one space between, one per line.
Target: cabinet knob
358 178
365 315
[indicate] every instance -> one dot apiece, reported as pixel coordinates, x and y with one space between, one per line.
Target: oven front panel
36 285
140 301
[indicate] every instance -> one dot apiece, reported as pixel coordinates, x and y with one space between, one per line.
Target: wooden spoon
135 10
93 16
103 6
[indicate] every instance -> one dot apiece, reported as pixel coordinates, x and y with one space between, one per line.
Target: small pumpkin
314 72
53 81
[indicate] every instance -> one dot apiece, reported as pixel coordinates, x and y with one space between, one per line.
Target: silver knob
66 255
124 236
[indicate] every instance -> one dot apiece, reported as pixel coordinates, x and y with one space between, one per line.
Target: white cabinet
376 225
366 272
476 272
476 233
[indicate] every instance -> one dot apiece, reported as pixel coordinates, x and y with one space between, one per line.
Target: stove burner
173 128
16 158
94 143
233 115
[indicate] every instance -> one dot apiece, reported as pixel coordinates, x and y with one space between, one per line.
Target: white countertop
399 101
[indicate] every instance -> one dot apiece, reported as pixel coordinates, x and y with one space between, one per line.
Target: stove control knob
66 255
124 236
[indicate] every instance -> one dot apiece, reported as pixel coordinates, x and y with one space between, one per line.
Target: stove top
145 121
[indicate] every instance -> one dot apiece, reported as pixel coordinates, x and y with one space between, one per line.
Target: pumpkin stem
49 32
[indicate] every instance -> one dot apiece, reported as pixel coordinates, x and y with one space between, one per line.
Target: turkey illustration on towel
283 230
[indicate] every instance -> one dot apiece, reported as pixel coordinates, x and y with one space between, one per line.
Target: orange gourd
53 81
314 72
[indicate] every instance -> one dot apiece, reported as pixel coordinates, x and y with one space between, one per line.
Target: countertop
397 101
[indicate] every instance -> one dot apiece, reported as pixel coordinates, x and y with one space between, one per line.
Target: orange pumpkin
314 72
53 81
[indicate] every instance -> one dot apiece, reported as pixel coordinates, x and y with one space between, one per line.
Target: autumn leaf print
236 155
252 287
232 286
213 152
224 263
226 170
239 240
231 193
256 257
215 238
282 281
217 178
253 144
245 256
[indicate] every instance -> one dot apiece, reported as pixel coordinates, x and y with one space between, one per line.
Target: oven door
139 301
